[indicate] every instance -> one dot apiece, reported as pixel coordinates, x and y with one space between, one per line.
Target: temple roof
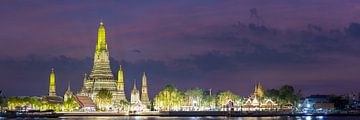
85 101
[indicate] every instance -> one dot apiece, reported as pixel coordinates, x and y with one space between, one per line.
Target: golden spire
120 79
101 22
101 43
259 90
52 91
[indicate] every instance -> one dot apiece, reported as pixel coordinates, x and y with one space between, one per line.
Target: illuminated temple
101 76
257 102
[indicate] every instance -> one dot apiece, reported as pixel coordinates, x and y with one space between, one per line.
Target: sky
223 45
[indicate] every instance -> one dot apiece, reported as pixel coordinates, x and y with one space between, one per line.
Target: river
208 118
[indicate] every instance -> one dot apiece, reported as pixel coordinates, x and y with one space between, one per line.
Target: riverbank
173 114
201 113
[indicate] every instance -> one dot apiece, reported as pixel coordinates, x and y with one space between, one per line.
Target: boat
31 114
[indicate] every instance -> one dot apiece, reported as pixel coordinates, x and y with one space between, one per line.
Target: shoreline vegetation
202 102
173 114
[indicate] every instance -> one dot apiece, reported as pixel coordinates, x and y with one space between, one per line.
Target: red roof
85 101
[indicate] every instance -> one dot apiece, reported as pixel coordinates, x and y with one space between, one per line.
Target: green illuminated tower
144 91
52 91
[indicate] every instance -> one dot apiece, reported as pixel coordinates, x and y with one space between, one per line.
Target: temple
257 102
101 76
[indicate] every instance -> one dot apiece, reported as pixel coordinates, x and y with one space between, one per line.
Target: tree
194 97
103 99
124 104
168 99
339 102
70 104
2 103
272 94
15 101
286 94
208 102
224 97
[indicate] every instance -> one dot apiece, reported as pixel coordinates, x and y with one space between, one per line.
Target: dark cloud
136 51
353 30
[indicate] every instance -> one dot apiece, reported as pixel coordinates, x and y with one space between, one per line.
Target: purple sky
312 45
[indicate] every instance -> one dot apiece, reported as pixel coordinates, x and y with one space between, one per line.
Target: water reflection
209 118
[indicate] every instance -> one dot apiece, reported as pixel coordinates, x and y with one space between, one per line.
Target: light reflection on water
209 118
206 118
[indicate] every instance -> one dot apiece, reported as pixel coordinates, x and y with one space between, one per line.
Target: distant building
353 101
316 104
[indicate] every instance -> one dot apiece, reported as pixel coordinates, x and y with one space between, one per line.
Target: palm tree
103 99
70 104
124 104
15 101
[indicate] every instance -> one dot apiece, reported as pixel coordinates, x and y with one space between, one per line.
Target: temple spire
101 68
85 76
68 89
134 87
101 43
134 94
101 22
259 89
120 79
52 91
144 91
120 84
144 79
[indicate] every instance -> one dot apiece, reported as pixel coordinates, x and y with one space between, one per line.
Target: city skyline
196 47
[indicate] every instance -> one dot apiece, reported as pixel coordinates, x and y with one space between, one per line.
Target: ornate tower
83 91
68 94
120 85
101 75
144 91
101 68
52 91
134 94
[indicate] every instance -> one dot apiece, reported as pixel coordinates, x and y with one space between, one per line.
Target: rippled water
210 118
